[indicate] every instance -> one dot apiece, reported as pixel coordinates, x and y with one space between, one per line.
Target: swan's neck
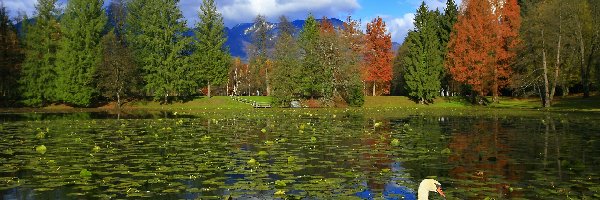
423 193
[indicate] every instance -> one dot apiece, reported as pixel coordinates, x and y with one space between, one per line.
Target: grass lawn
222 102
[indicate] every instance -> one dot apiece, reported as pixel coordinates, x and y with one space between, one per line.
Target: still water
298 155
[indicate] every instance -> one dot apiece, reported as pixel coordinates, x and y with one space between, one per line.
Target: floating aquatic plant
41 149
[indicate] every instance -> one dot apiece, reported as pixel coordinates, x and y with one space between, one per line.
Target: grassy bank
201 104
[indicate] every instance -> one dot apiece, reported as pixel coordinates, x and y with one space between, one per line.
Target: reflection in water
296 155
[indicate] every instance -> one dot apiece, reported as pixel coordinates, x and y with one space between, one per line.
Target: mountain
240 36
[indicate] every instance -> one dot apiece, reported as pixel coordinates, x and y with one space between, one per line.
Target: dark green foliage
79 56
211 57
356 96
155 33
424 60
117 76
285 78
313 80
10 56
398 82
38 75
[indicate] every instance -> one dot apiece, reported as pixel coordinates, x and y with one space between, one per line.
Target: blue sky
398 14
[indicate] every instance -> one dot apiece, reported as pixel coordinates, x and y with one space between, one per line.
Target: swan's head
431 185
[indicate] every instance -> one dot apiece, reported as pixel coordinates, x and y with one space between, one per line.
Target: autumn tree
211 55
10 56
38 75
285 79
117 73
481 50
424 61
347 78
155 31
80 49
378 57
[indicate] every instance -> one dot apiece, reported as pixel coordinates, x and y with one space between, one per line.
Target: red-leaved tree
482 46
378 57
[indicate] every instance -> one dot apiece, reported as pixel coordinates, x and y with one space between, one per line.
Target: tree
79 56
347 78
210 54
117 75
548 51
587 36
259 54
424 60
447 21
481 48
38 75
10 56
285 78
378 57
155 31
313 79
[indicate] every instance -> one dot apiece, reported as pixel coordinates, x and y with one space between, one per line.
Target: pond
298 154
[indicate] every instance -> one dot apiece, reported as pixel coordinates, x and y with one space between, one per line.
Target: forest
87 54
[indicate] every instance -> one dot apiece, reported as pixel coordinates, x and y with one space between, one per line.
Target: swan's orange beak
439 191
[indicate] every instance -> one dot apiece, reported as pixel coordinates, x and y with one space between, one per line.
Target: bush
355 97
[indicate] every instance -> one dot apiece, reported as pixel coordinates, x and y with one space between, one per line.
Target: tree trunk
209 90
557 68
546 102
374 84
584 72
118 101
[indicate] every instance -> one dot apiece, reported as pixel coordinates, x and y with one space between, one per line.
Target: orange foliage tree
378 57
482 47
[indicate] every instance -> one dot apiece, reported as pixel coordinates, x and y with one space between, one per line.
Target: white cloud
399 27
16 6
238 11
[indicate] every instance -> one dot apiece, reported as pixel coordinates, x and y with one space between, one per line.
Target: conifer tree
155 31
10 56
80 53
312 80
424 60
210 56
38 76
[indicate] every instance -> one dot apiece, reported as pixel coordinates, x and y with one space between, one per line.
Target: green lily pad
85 173
41 149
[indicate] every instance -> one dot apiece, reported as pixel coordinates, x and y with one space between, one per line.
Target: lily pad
41 149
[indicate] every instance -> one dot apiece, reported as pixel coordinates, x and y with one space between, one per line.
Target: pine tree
38 76
285 78
211 56
80 53
424 60
312 80
155 32
10 56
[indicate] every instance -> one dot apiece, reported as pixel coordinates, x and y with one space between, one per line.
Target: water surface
298 155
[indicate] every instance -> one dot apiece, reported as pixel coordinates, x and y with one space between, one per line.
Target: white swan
429 185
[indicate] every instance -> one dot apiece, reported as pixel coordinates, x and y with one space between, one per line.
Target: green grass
264 99
222 102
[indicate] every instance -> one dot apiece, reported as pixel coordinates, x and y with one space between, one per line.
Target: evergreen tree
10 56
155 33
285 78
312 75
211 56
80 53
38 76
424 60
